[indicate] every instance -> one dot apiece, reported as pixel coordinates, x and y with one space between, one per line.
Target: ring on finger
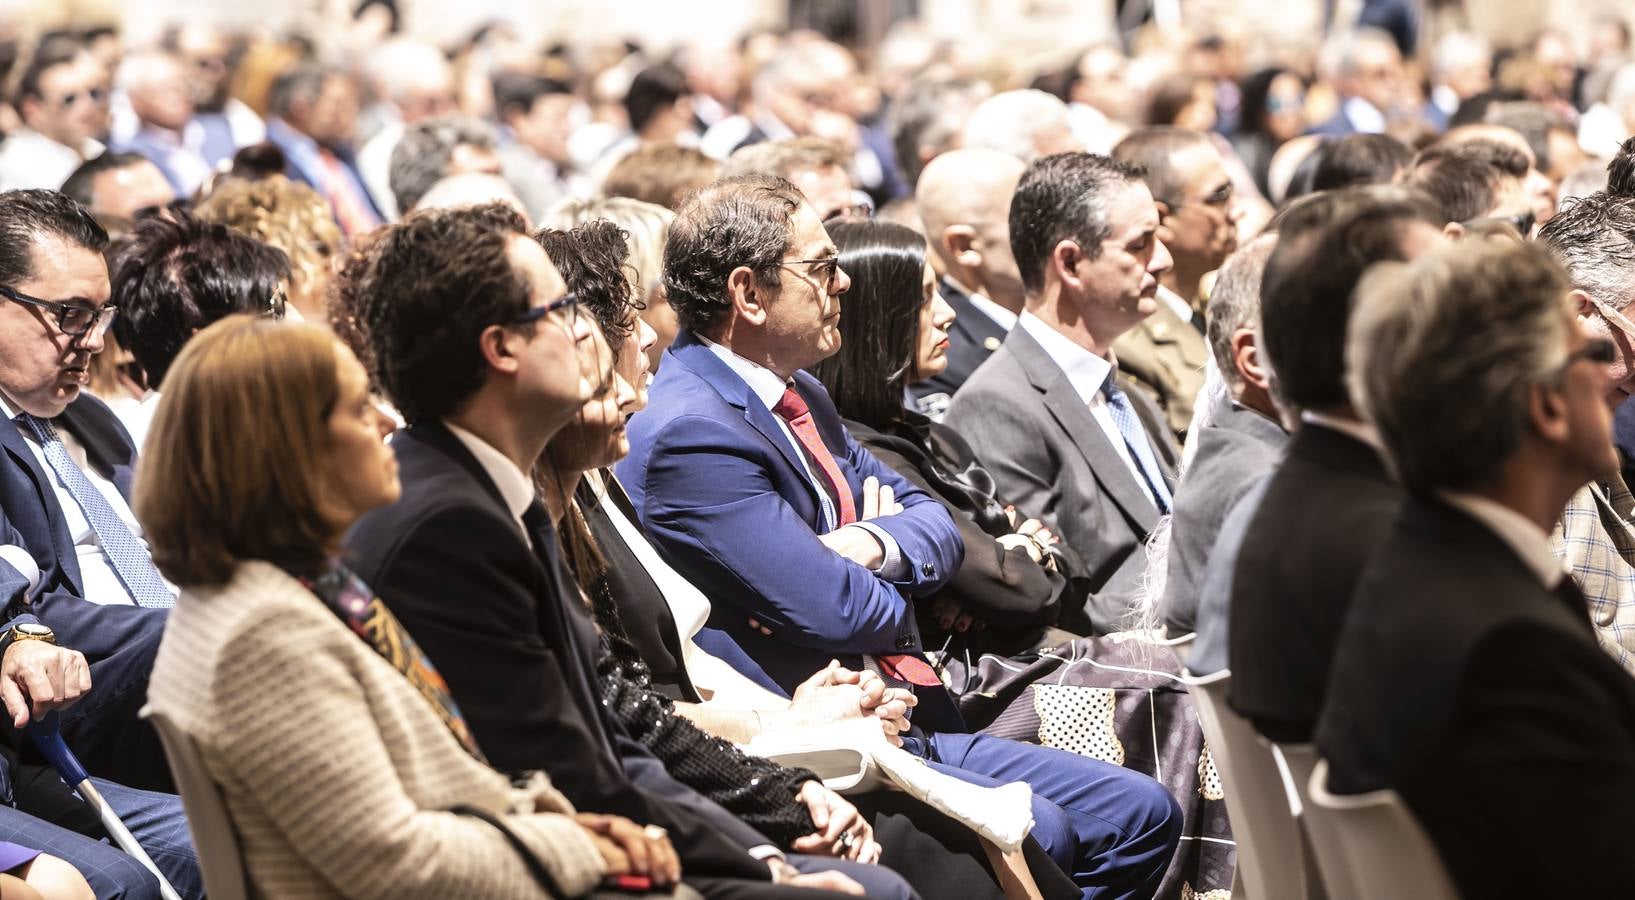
655 832
847 841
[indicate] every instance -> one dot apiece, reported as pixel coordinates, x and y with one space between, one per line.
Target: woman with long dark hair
1017 580
1273 112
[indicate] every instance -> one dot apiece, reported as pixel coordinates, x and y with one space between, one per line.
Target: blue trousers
1112 830
155 820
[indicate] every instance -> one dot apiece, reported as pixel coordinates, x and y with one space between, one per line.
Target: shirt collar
1361 431
1364 116
1176 303
1523 537
514 485
1086 371
1002 317
766 384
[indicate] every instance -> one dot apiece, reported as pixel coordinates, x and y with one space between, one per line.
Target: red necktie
793 409
899 667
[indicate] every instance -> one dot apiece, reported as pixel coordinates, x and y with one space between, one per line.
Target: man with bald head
1026 124
964 199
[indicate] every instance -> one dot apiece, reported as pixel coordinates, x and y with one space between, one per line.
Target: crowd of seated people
480 455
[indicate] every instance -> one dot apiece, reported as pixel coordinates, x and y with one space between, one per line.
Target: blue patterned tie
1140 446
126 554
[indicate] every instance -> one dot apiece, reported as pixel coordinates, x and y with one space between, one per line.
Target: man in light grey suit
1240 444
1066 437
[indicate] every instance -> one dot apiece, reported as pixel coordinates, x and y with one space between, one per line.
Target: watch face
31 628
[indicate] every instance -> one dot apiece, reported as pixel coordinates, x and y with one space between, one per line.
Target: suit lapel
61 541
973 322
1073 415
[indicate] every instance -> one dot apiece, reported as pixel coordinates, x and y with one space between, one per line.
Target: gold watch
30 631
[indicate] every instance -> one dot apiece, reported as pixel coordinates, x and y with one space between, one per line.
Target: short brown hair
784 158
660 173
233 469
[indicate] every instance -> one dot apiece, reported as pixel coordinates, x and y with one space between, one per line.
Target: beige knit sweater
336 772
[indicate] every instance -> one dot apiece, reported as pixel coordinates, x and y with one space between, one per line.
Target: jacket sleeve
930 542
344 810
713 513
760 792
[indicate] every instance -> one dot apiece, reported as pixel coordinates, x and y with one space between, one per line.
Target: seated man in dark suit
473 336
964 200
1468 677
750 486
1065 435
1240 444
74 569
1330 501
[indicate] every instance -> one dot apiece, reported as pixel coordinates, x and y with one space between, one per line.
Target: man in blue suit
810 549
85 605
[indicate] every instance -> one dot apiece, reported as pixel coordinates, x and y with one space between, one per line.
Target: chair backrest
1370 845
1181 646
220 862
1268 838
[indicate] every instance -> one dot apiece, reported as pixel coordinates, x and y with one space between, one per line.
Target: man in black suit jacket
468 558
1330 502
964 199
1239 442
1063 433
1468 677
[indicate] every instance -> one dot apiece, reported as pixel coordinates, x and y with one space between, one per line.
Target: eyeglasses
1220 199
277 304
1600 351
73 319
1522 222
825 268
569 302
95 95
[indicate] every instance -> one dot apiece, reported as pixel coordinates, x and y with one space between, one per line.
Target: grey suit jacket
1239 446
1047 455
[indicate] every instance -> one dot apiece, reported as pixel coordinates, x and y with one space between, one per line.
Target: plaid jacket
1596 541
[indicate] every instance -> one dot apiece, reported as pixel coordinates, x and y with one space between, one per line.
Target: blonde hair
645 225
234 466
288 215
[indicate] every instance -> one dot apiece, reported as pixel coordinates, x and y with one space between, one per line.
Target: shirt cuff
892 568
765 851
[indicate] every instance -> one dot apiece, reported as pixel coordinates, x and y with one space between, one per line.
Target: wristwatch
30 631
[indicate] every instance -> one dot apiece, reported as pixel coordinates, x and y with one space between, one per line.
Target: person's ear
1583 305
1246 359
959 242
1547 408
749 298
1064 260
1455 231
499 346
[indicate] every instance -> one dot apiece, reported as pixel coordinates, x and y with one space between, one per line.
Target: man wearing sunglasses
60 99
1595 239
86 604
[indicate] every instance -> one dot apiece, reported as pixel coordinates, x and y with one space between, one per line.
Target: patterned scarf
348 597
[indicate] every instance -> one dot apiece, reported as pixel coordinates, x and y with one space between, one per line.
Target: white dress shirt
1529 542
1353 428
769 388
515 487
1001 316
136 415
1177 304
98 579
1087 372
29 159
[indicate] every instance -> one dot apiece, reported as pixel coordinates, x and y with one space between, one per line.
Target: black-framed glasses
567 302
1522 221
277 304
825 268
68 100
73 319
1220 198
1600 351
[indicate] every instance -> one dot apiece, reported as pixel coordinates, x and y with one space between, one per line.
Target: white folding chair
1180 645
220 861
1370 845
1270 863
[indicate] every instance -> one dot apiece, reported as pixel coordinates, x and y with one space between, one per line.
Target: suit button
905 641
990 343
928 570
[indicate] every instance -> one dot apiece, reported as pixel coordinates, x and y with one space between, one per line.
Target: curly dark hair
592 259
738 221
424 293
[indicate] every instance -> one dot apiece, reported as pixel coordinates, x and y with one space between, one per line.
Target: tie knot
40 428
791 405
1110 388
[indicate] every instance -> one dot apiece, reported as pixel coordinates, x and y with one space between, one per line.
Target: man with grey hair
964 199
1371 84
1241 443
184 147
1466 677
313 112
1027 124
816 166
1594 239
434 149
927 120
413 82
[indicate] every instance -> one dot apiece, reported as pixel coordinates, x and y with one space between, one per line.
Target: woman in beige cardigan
345 766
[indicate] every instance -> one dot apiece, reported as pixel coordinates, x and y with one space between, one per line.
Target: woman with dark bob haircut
1016 580
346 767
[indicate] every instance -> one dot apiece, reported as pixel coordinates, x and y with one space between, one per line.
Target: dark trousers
1111 829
